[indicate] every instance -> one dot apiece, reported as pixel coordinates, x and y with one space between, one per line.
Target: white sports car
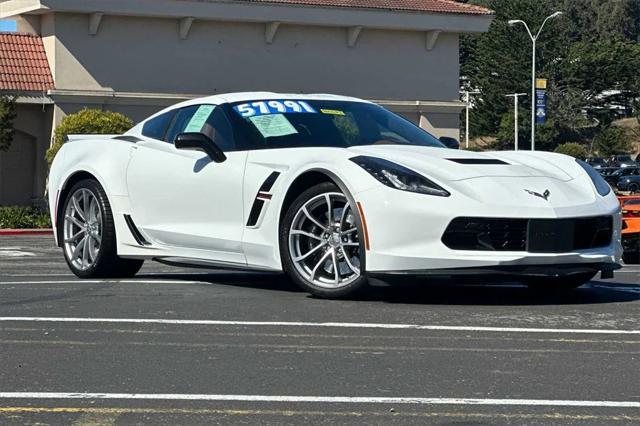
332 190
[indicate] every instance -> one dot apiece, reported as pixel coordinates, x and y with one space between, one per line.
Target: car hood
456 165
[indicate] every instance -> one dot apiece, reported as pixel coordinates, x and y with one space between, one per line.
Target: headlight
601 185
398 177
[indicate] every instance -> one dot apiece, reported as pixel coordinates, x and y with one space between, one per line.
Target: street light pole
515 114
533 95
467 103
533 70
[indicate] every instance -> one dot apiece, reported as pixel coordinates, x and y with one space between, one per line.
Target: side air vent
484 161
263 195
135 232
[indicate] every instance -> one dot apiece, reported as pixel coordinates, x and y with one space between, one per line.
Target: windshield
278 123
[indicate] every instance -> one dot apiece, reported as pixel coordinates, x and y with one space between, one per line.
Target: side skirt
211 264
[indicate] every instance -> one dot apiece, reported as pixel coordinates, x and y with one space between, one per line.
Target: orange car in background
630 228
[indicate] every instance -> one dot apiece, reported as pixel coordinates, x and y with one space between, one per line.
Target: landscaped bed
16 217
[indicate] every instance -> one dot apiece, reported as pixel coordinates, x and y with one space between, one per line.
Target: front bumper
406 229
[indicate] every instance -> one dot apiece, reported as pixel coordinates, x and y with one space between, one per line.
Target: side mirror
451 143
200 142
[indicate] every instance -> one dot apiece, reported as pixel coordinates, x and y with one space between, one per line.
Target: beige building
136 56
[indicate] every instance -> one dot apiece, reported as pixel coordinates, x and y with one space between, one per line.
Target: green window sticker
199 118
273 125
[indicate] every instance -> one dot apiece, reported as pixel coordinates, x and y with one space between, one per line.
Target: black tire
107 264
633 188
348 290
558 284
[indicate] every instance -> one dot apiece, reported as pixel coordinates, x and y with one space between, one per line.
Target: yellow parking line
110 414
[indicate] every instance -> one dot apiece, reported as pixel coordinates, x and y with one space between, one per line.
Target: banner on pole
541 100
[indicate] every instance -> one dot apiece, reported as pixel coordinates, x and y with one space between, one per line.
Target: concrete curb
44 231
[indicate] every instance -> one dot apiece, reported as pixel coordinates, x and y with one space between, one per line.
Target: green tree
590 56
606 71
7 116
573 149
611 141
88 121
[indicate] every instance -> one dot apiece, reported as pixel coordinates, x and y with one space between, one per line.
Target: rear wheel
633 188
558 284
89 236
320 243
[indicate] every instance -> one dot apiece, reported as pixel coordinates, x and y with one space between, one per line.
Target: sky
7 25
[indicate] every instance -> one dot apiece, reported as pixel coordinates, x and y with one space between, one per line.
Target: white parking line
15 253
144 274
321 399
106 282
319 324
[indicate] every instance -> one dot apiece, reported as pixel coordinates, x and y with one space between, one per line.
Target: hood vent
483 161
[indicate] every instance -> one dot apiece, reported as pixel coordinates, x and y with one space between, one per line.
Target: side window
157 126
180 122
218 128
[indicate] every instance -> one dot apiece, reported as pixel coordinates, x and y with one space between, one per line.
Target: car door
183 199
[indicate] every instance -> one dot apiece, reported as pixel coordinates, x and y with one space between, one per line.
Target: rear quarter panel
105 159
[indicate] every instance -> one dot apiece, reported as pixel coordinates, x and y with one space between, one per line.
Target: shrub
88 121
7 115
15 217
573 149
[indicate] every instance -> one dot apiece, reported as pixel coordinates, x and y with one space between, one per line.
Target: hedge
15 217
88 121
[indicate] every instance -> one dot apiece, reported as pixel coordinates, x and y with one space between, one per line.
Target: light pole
467 103
515 114
533 70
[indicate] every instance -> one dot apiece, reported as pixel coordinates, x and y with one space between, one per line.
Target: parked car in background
607 171
596 162
623 160
629 183
613 178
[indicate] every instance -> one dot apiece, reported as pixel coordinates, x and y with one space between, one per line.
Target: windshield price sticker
332 111
274 125
253 109
199 118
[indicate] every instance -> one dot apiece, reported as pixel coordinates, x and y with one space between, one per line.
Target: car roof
246 96
261 96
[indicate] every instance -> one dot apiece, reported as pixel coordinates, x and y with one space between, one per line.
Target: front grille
532 235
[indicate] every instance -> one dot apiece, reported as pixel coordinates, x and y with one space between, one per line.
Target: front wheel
320 243
89 236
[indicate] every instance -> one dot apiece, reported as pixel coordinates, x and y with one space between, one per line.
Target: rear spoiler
71 138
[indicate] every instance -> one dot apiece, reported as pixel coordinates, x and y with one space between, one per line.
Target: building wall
131 54
146 55
23 167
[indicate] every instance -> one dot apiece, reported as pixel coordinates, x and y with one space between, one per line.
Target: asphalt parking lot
176 346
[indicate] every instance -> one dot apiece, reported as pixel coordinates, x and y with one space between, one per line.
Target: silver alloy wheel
82 229
324 243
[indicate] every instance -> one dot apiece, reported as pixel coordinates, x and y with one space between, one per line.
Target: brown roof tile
433 6
23 63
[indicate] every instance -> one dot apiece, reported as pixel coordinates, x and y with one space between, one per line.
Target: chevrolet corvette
334 191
